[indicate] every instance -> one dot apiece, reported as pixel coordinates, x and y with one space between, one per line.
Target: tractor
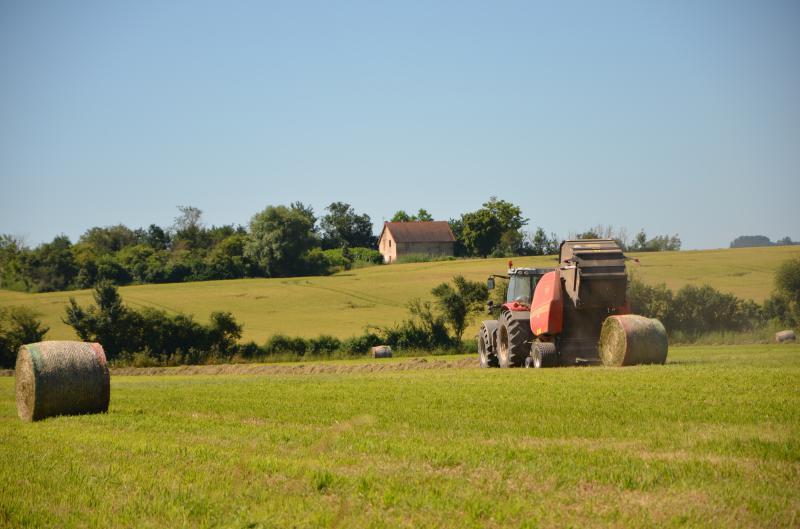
554 316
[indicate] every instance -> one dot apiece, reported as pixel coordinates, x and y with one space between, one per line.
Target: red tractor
554 316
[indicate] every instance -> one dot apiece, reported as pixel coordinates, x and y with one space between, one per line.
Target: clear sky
677 116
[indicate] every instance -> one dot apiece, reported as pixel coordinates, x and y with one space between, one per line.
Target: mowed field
343 304
711 439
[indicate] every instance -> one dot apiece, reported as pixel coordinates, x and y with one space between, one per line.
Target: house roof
434 231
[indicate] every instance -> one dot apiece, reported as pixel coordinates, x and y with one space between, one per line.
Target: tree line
279 241
694 311
153 337
752 241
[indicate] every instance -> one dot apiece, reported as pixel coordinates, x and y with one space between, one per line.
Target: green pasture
342 304
712 439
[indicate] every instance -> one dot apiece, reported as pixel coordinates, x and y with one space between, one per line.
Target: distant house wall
426 248
399 239
388 247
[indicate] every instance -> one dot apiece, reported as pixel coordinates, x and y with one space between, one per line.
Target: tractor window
520 288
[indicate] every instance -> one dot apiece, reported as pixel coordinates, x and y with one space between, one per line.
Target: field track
309 368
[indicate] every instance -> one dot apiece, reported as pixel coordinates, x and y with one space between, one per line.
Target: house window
390 243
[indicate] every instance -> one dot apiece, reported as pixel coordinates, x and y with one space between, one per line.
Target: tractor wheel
486 353
543 354
511 341
486 359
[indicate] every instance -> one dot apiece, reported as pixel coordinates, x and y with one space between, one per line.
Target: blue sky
675 116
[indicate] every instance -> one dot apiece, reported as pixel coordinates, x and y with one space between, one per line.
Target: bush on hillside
692 310
124 331
18 326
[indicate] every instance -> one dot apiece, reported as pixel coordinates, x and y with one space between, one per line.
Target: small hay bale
381 351
61 378
629 340
785 336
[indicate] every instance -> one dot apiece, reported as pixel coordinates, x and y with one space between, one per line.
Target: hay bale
785 336
61 378
381 351
630 340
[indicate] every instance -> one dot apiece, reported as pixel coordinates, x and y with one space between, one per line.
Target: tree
588 234
750 241
109 322
157 238
509 215
421 216
189 218
226 260
541 244
639 243
401 216
279 238
18 326
343 226
495 227
457 227
480 232
51 266
190 234
459 301
787 285
659 243
11 248
110 239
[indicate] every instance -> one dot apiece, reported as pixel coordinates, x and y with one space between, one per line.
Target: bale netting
629 340
61 378
381 351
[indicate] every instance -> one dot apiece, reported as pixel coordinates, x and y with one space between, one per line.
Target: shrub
281 344
422 330
18 326
366 255
361 344
787 293
459 302
423 258
323 345
693 311
124 331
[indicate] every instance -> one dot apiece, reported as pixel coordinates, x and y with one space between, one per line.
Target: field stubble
708 440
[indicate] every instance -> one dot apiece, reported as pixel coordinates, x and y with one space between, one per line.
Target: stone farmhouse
399 239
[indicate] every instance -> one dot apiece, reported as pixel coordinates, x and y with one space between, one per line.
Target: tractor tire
486 350
543 354
513 336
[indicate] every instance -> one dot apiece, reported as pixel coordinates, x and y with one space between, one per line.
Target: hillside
344 303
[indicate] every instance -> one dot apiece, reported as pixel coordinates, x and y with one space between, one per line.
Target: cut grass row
709 440
342 304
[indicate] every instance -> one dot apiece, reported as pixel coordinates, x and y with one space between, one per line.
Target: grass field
342 304
712 439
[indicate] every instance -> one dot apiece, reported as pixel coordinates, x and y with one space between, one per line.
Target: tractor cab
521 285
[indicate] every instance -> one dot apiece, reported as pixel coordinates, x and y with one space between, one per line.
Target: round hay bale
61 378
381 351
785 336
629 340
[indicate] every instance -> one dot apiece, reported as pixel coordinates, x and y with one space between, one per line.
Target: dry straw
61 378
630 340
